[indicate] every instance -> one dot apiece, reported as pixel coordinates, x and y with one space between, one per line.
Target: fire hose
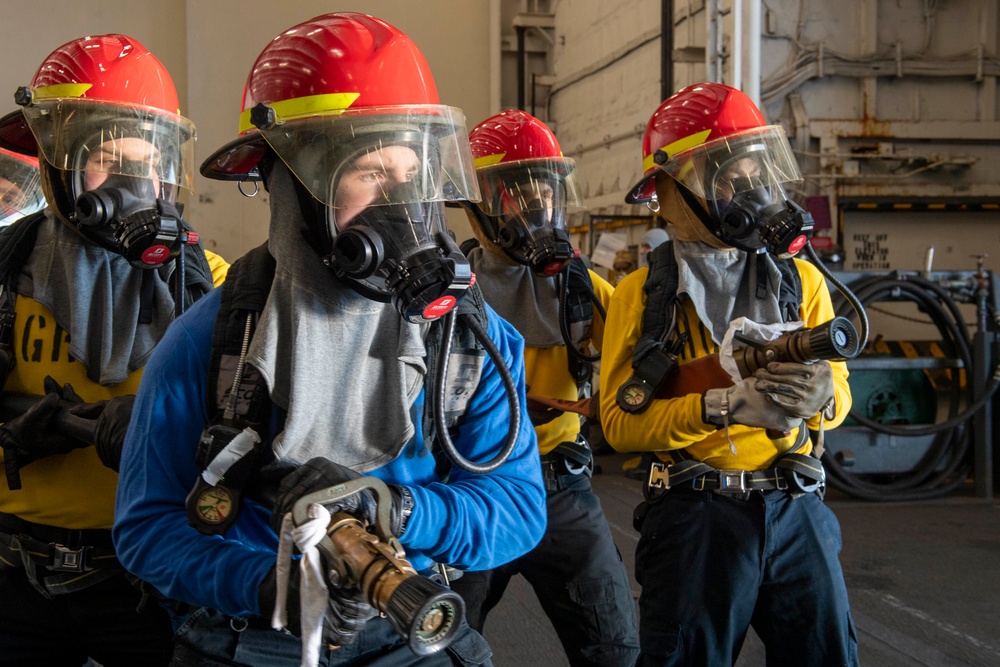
426 614
946 466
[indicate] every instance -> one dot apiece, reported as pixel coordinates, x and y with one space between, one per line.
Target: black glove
112 417
320 473
346 610
33 436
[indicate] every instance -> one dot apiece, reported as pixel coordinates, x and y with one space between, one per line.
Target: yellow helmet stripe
330 104
488 160
59 90
676 147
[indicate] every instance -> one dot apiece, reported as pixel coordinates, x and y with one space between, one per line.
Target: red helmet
685 133
347 103
20 191
527 187
96 90
512 149
29 160
374 79
510 136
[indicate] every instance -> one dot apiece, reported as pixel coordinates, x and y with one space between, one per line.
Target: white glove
744 404
803 390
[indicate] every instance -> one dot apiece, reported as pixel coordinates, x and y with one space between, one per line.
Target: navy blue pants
710 566
578 576
100 621
209 638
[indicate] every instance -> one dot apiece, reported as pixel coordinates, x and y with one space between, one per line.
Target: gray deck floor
924 581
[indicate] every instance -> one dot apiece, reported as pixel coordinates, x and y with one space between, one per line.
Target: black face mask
758 218
125 216
380 257
530 239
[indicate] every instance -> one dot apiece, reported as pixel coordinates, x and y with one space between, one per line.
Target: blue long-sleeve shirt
471 522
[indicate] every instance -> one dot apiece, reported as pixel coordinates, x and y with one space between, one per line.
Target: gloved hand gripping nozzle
426 614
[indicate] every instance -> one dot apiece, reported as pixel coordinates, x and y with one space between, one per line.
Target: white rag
313 593
747 328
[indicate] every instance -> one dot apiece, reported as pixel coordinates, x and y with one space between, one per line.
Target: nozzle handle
300 511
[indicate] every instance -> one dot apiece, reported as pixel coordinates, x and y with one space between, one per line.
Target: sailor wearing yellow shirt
527 270
89 286
729 538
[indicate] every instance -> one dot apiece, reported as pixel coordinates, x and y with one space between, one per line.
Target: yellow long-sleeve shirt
676 423
72 490
547 374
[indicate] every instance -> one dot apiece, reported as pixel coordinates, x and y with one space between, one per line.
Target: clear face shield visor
324 149
724 168
83 136
741 179
536 193
20 190
384 175
526 203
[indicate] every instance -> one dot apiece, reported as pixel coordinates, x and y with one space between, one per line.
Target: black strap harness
577 314
655 357
795 473
235 445
656 352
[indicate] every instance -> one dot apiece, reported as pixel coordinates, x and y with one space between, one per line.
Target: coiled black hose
946 464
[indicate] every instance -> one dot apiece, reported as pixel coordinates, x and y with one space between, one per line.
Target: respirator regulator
402 254
524 212
760 216
531 239
125 215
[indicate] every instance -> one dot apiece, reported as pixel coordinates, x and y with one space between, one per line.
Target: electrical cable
847 293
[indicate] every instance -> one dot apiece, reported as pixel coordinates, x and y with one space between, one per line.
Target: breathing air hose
563 288
440 387
945 466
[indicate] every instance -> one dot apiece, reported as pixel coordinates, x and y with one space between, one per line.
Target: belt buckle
732 483
69 560
659 476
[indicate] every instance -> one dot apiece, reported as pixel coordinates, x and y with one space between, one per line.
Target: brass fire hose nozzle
370 558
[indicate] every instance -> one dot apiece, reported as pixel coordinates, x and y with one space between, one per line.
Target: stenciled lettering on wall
871 252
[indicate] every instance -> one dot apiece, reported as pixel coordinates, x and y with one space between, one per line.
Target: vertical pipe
666 49
737 62
720 33
520 66
982 423
710 74
751 49
495 57
533 76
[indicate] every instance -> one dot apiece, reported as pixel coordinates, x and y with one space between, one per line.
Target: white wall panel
209 47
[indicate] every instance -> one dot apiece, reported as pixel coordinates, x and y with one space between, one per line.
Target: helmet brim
644 190
16 136
237 160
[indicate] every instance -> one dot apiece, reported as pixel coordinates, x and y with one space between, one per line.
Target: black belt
794 473
568 459
60 549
